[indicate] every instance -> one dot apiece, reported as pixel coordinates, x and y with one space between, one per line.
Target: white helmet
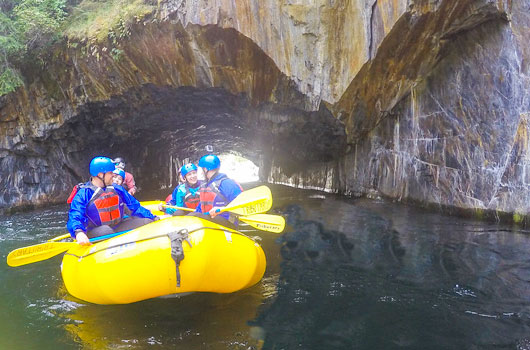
119 163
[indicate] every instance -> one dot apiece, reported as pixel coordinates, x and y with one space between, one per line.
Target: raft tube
139 264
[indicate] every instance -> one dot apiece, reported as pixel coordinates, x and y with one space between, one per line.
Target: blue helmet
119 172
101 165
210 162
186 168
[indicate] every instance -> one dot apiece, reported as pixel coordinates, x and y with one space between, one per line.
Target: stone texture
172 91
420 100
448 125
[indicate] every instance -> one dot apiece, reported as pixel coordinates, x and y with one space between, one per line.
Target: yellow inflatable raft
142 263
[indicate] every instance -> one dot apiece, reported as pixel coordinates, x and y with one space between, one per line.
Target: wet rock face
423 101
221 91
451 127
155 129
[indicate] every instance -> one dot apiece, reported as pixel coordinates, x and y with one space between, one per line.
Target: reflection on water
369 275
209 320
350 274
38 313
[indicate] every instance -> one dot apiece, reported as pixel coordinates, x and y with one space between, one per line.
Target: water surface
349 274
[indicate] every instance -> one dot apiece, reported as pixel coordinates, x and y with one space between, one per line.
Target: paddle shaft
264 222
178 208
253 201
66 235
43 251
227 208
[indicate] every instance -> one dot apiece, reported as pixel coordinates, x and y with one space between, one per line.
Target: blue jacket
177 198
228 188
78 219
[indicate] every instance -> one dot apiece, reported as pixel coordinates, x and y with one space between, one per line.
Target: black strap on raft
177 251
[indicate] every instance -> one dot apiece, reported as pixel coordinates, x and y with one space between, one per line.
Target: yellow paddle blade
152 206
265 222
253 201
37 252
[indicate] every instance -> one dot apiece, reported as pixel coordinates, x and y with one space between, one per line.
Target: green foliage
9 41
101 20
9 81
27 27
116 54
10 45
38 21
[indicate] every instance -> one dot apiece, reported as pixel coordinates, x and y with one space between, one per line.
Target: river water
347 274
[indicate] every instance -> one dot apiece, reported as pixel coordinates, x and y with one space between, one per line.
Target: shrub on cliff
9 46
27 27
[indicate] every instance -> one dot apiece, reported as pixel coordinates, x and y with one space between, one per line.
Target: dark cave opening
155 129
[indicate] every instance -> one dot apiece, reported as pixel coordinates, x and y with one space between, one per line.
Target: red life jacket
105 207
209 193
73 193
192 200
169 198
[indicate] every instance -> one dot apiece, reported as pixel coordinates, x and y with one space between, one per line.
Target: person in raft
97 207
119 176
128 179
217 192
185 194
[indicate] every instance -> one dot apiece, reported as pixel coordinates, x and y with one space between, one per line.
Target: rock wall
417 100
171 91
447 126
321 45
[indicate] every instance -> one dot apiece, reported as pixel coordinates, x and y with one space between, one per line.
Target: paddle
253 201
178 208
67 235
264 222
152 206
43 251
38 252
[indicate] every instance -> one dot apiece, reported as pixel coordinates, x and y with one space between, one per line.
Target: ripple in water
377 276
347 275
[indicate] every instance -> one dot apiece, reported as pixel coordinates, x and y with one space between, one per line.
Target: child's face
117 179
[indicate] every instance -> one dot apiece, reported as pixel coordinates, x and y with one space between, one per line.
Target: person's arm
170 211
131 185
181 194
77 219
133 204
